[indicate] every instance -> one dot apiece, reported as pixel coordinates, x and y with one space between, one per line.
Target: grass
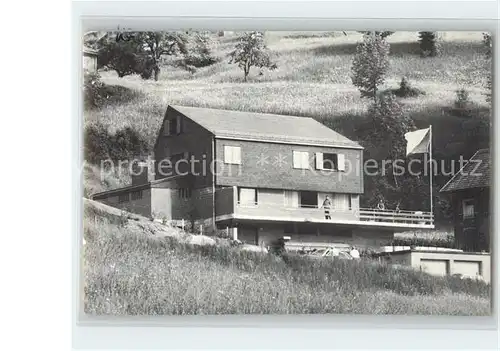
142 268
312 79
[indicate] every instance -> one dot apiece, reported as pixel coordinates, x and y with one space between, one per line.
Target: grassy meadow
312 79
138 267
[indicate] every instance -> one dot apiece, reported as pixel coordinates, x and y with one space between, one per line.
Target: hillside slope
133 266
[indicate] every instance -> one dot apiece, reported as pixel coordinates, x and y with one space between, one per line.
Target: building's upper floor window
468 208
184 193
136 195
172 126
123 197
330 161
232 154
247 196
301 159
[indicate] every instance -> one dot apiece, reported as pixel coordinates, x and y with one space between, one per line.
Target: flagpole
430 156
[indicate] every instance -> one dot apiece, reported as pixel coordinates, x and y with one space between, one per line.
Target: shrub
406 90
100 145
92 90
462 107
448 242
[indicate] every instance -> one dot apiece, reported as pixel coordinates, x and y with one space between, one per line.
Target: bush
100 145
405 90
92 90
448 242
462 107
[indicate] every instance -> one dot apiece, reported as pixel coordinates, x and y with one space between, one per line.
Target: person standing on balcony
326 205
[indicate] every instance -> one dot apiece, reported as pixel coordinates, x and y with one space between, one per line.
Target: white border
286 332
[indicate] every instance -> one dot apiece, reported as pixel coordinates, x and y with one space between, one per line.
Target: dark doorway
308 199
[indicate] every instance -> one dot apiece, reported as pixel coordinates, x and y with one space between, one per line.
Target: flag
417 142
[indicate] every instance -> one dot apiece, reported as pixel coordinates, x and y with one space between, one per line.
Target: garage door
434 267
467 268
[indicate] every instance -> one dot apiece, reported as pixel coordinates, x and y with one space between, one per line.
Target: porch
230 206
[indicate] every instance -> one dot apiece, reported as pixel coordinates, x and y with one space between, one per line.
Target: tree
382 135
251 51
119 55
370 65
381 34
428 44
199 51
155 45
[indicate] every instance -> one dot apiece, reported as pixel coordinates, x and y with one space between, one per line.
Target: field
312 79
137 267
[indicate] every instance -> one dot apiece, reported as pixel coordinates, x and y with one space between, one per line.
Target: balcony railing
227 207
315 213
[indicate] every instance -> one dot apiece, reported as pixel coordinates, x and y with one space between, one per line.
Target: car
330 252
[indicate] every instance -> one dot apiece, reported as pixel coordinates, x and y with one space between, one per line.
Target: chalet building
470 193
260 177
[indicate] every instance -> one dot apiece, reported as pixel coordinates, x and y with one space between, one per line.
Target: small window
136 195
184 193
173 126
123 197
247 196
468 208
301 159
330 161
232 154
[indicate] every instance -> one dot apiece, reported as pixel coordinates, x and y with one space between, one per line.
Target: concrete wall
161 203
458 263
255 174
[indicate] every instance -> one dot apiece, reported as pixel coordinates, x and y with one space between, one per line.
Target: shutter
319 160
341 201
305 160
236 155
228 157
166 127
296 159
291 198
341 162
178 121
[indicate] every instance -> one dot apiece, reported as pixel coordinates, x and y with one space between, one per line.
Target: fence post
201 229
182 224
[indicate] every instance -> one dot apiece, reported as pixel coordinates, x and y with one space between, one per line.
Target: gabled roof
226 124
474 174
128 188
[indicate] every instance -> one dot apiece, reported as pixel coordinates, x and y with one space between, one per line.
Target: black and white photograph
286 172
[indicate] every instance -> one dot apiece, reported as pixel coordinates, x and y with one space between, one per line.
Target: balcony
227 207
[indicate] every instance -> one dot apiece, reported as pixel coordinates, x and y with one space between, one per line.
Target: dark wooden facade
469 190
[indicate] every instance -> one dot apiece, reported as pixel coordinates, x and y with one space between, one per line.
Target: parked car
330 252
